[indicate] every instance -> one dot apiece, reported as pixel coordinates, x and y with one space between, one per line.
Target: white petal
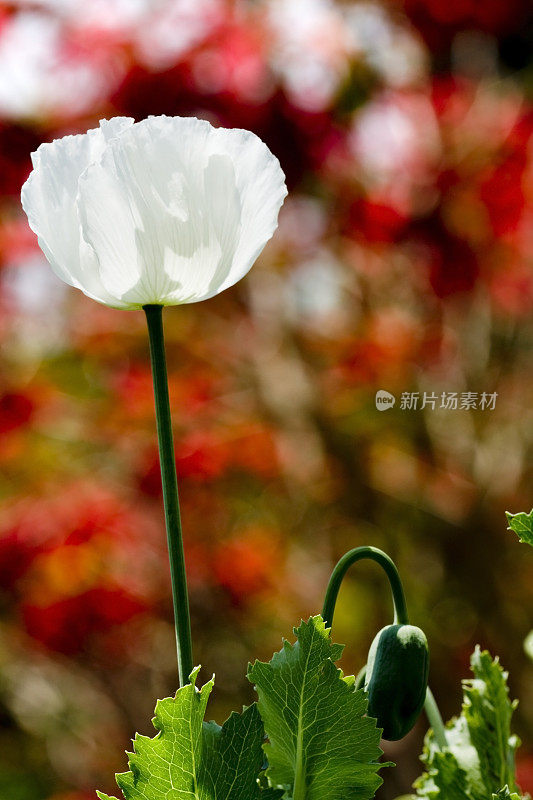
260 182
49 200
141 209
172 214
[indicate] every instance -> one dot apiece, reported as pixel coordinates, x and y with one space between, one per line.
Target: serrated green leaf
522 525
479 758
450 779
488 711
320 745
190 759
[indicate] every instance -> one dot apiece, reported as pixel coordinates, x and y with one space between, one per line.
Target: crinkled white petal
170 214
169 210
260 183
49 200
141 209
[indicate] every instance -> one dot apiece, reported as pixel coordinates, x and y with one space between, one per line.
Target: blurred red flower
204 456
201 456
76 563
253 449
451 263
16 409
246 564
390 343
375 221
16 555
190 393
68 625
234 62
524 773
134 390
503 189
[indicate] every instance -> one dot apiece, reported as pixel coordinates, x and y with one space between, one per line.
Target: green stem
170 492
435 719
343 565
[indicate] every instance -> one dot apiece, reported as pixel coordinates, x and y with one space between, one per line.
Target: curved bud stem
400 617
343 565
170 492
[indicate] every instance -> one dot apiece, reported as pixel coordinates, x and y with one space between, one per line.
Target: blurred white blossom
38 77
310 50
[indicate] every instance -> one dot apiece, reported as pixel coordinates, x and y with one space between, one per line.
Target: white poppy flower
165 211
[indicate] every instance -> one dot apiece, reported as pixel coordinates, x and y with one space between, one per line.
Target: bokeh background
402 262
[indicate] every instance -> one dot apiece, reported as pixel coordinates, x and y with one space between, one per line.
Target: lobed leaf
479 758
321 745
190 759
488 711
